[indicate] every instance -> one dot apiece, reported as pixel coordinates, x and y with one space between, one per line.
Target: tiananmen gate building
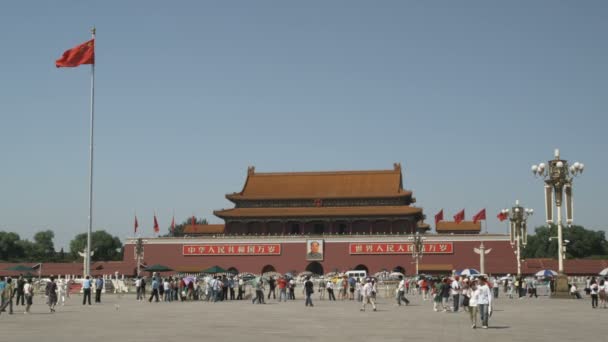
322 222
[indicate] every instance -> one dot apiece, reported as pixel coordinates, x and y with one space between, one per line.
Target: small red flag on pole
459 217
156 228
480 216
135 225
502 216
439 217
78 55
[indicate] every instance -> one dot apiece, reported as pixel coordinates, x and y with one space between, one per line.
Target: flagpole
87 270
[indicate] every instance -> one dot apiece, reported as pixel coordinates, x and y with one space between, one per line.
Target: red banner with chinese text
232 249
400 248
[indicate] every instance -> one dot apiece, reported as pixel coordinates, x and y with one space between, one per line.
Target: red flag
193 220
81 54
481 215
439 216
156 229
173 225
459 217
502 216
135 225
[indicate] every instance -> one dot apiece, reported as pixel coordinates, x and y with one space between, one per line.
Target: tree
583 243
10 246
105 246
43 248
179 228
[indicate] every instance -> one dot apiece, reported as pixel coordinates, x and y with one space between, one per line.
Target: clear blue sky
465 94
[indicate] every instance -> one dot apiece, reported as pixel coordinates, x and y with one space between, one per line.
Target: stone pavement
124 319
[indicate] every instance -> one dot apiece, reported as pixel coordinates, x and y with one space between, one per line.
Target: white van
361 274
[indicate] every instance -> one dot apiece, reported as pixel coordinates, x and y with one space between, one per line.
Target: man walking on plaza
86 290
330 290
272 288
7 296
138 288
368 289
401 292
154 293
484 302
309 288
20 295
98 287
241 288
456 293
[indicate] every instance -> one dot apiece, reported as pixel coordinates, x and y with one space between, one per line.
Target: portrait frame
315 249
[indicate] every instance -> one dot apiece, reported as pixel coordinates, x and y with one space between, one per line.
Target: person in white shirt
330 290
28 291
62 287
472 292
138 288
603 292
594 287
484 301
368 290
401 292
455 292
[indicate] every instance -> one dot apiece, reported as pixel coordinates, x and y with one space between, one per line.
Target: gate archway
315 267
268 268
361 267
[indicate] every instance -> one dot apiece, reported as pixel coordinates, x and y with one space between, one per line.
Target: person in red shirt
282 283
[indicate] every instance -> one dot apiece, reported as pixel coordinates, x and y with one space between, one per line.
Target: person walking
445 294
292 289
138 288
282 283
272 288
62 289
484 301
472 293
28 292
594 287
401 292
241 289
330 290
7 296
86 291
51 294
259 292
321 289
231 287
367 290
98 287
20 295
455 291
309 288
154 294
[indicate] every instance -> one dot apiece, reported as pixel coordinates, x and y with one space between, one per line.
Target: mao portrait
314 250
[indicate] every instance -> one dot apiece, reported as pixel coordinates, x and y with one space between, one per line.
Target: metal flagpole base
561 287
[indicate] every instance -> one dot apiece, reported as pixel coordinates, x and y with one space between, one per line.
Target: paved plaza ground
124 319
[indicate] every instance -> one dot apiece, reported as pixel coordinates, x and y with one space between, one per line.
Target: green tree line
42 248
581 243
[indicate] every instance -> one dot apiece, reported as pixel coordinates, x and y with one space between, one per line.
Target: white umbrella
604 272
546 273
468 272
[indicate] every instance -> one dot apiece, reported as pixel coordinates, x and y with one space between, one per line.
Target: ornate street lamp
518 216
417 248
558 182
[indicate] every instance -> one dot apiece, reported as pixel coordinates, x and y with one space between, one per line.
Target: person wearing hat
367 293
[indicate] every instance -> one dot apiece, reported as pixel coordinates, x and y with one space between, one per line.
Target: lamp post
558 182
518 216
558 177
417 249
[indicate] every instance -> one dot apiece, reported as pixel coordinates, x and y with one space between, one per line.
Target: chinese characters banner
400 248
232 249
